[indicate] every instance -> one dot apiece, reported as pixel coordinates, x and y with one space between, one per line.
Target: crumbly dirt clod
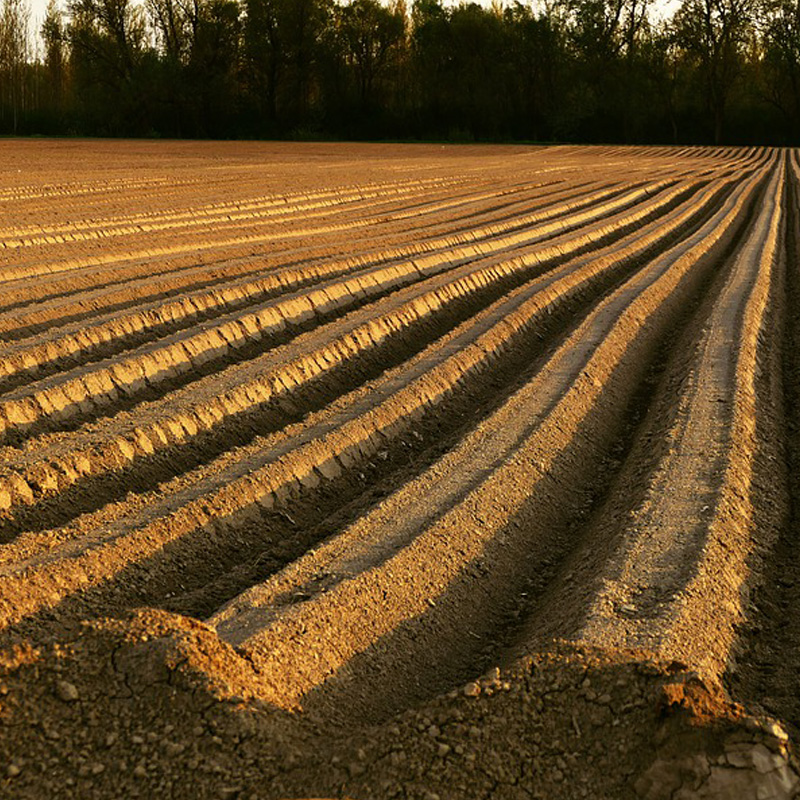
571 722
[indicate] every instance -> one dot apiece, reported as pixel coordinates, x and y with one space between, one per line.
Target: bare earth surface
398 471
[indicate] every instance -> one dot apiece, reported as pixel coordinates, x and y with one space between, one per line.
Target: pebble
173 749
67 691
472 689
13 770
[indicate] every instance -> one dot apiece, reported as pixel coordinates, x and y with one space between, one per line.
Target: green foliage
567 70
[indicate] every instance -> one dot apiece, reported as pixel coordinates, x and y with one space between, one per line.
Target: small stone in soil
67 691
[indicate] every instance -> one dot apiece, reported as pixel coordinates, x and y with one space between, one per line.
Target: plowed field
399 471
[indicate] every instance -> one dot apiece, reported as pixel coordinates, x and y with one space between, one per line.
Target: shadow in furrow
205 569
222 276
764 670
198 573
218 275
558 607
147 472
131 399
486 616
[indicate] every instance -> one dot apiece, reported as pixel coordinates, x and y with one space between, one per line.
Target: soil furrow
254 489
690 549
32 357
359 470
18 297
424 385
477 548
92 279
109 228
183 242
281 204
90 390
76 465
763 669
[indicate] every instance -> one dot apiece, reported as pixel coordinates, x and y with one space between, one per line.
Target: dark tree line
564 70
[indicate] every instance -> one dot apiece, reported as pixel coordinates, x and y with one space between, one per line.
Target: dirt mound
155 705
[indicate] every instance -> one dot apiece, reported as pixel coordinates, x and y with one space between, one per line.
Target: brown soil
397 471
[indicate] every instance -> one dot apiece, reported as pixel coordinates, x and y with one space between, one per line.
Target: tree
714 33
780 22
175 25
569 70
537 59
606 37
664 71
369 35
212 67
461 68
303 25
264 56
108 49
14 57
55 58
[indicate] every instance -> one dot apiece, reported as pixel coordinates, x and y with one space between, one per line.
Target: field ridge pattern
359 466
